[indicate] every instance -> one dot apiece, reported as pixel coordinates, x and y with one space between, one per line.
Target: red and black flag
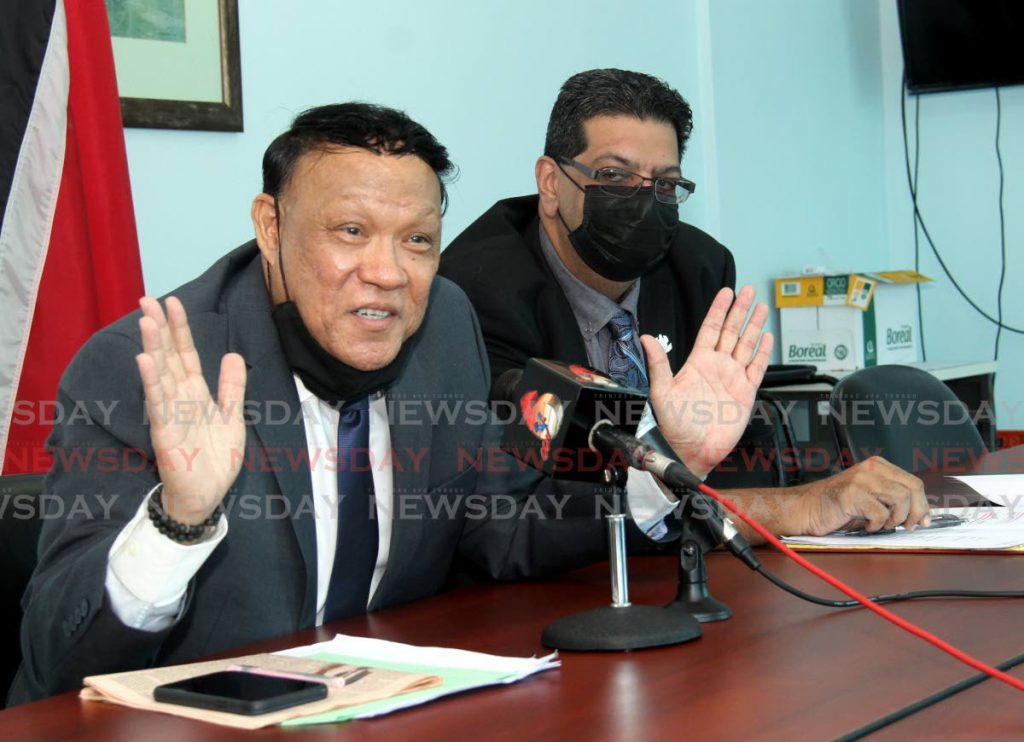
69 255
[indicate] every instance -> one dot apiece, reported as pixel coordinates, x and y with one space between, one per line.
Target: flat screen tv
960 44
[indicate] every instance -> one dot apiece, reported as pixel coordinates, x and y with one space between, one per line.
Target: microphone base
702 606
692 596
616 629
621 625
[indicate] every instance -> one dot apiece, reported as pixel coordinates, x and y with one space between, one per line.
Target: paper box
849 321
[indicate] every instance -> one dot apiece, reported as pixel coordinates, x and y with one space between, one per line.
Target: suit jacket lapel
253 334
563 340
657 313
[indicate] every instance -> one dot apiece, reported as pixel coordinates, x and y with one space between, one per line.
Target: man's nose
380 264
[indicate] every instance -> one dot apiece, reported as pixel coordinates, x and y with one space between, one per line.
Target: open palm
703 409
198 442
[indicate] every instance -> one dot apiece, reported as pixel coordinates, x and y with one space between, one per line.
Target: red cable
862 599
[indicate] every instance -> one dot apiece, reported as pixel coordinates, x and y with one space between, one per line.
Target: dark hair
612 92
376 128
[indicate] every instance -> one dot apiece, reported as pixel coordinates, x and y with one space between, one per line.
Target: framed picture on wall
177 63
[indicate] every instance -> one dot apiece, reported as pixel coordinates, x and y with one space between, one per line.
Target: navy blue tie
624 362
355 555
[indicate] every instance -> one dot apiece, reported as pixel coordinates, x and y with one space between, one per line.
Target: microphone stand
620 625
692 596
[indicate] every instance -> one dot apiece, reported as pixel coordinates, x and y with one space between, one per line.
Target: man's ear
264 223
547 185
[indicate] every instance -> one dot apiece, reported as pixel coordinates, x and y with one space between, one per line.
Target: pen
938 521
357 675
332 682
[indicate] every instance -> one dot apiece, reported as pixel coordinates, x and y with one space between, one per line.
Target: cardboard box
849 321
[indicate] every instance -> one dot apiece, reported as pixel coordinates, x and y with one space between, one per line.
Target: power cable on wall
917 231
924 227
1002 228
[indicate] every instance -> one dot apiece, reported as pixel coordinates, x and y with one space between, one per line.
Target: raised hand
703 409
198 441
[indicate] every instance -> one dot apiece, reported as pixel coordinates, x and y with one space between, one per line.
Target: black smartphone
240 692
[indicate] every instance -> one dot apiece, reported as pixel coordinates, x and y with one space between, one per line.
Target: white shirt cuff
148 573
649 505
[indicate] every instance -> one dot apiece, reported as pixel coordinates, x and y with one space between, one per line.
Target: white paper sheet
985 528
502 670
1004 489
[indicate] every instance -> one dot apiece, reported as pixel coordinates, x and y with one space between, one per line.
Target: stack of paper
135 688
460 670
386 681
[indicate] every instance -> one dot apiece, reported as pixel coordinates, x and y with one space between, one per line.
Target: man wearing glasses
599 257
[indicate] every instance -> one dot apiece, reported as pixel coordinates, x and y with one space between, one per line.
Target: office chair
20 523
767 454
905 415
757 460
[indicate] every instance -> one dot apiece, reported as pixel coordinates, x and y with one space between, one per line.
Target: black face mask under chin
331 380
622 238
328 378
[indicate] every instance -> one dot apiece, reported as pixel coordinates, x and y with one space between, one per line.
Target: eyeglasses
623 184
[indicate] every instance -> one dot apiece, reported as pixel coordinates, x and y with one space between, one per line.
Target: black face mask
328 378
623 238
331 380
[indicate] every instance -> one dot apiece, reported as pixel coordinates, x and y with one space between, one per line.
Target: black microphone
573 423
576 422
699 507
565 408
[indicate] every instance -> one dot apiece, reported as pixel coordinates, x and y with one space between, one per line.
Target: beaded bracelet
182 533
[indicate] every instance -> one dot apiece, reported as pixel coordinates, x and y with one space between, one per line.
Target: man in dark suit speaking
312 484
598 257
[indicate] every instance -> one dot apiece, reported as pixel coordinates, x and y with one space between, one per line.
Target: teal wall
482 76
958 196
799 135
794 147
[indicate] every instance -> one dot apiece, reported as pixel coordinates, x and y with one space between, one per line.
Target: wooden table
779 669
